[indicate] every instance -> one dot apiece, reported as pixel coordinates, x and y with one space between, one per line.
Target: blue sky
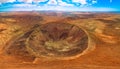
64 5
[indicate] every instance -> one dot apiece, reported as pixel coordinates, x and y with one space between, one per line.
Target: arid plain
99 33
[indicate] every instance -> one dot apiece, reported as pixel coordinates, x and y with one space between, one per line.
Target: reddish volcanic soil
59 40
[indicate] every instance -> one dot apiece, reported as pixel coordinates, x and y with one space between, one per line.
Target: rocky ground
19 34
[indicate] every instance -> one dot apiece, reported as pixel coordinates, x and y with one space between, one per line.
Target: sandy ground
103 28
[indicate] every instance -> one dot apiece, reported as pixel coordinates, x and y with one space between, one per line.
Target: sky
60 5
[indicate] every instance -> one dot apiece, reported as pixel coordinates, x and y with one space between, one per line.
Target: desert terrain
59 40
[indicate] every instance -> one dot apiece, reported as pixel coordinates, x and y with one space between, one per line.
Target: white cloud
53 2
58 8
94 1
65 4
80 1
3 1
57 2
40 0
29 1
10 0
